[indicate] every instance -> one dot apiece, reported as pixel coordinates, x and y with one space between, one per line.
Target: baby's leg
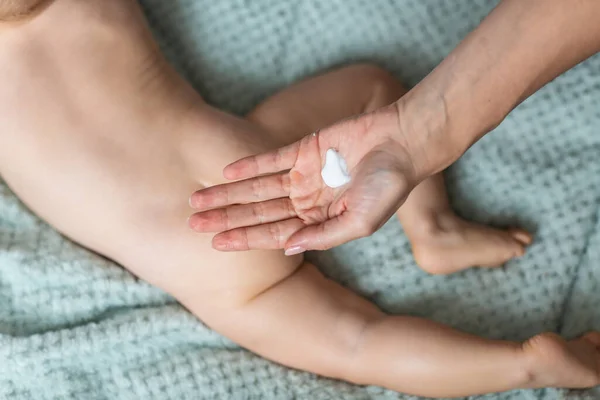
312 323
442 242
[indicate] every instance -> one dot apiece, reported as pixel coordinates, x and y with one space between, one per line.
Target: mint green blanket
75 326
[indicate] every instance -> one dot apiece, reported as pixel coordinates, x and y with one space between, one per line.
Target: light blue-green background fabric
76 326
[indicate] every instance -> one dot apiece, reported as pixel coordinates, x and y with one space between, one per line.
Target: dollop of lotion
335 172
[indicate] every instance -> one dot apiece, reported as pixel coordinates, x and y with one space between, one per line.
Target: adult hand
281 200
519 47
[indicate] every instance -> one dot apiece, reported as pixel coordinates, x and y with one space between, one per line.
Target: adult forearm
14 10
517 49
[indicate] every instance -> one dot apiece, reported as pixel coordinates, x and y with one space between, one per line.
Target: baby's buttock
163 250
168 254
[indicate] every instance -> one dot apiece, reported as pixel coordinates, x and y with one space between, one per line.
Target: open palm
281 201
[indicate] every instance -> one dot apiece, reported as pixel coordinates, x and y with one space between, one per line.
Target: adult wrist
443 116
425 129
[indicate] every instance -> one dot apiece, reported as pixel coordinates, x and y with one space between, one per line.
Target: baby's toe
593 338
519 250
513 246
520 235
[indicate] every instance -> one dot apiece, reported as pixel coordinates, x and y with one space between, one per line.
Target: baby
102 139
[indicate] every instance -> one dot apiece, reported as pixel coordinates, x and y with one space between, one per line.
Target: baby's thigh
324 99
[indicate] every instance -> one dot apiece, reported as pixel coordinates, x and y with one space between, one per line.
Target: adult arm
517 49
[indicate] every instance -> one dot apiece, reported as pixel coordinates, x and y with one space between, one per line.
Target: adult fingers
331 233
247 191
271 162
224 219
266 236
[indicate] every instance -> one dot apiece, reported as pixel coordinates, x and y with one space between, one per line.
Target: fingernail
291 251
192 202
221 246
191 223
218 243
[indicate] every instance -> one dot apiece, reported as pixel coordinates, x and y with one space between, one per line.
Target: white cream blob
335 172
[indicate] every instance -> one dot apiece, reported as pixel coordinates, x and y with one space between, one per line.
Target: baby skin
105 142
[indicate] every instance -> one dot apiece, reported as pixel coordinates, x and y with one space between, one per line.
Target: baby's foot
450 244
555 362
